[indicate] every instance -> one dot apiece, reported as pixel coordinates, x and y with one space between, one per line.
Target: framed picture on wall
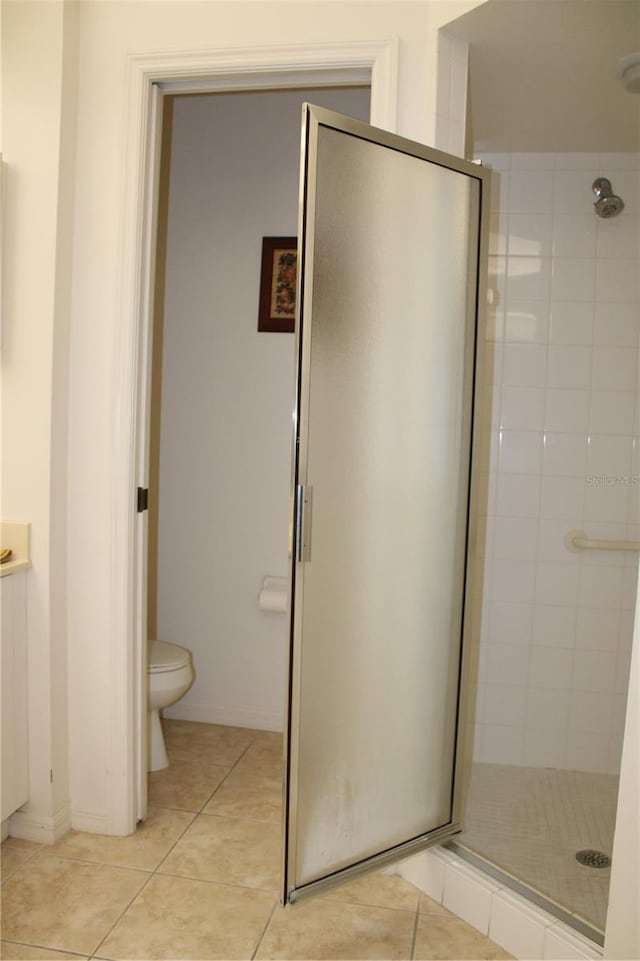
277 312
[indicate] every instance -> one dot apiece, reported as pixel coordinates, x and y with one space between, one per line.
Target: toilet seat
167 657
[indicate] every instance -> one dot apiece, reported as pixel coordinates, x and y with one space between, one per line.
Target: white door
389 253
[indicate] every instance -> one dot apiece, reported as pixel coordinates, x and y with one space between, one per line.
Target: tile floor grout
366 902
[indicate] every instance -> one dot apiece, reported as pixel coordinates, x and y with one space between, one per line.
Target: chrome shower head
607 204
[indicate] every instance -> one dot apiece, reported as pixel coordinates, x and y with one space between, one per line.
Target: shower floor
531 822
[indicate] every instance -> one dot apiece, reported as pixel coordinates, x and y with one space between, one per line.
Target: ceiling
541 74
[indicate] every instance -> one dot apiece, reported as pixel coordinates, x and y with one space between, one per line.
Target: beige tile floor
199 879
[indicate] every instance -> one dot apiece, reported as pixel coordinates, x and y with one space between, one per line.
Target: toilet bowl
171 674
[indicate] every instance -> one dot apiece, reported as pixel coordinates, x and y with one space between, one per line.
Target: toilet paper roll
273 595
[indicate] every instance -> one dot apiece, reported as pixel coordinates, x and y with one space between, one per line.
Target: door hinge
143 499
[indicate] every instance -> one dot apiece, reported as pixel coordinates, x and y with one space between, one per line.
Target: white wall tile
569 283
526 321
469 896
507 664
514 926
524 365
616 325
589 714
498 229
606 498
522 408
518 495
531 192
612 412
556 584
551 667
567 411
564 455
574 235
530 235
587 752
617 281
547 709
569 366
614 368
626 160
500 189
528 278
554 625
498 161
561 497
501 744
578 162
609 454
619 714
510 623
426 871
594 671
597 628
544 748
515 538
629 587
572 192
571 322
532 161
520 452
573 279
619 237
504 704
601 586
623 665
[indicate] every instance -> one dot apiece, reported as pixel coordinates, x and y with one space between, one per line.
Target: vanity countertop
15 534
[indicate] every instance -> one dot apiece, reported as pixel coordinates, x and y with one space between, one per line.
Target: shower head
607 204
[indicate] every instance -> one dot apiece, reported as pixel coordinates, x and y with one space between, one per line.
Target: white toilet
171 675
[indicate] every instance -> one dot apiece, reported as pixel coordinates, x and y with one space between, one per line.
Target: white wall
37 189
109 34
225 456
557 631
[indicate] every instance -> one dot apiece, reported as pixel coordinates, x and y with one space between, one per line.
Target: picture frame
277 310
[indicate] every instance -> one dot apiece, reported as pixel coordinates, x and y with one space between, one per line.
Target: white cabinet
15 757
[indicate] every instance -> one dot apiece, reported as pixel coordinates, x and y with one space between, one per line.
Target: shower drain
593 859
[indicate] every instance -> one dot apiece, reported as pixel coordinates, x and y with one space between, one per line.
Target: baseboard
518 925
90 822
45 830
234 717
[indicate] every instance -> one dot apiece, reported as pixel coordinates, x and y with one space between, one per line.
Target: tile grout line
265 928
414 938
93 953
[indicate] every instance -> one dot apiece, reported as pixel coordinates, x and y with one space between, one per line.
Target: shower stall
560 408
562 526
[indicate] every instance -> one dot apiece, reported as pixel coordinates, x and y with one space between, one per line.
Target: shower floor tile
199 879
531 822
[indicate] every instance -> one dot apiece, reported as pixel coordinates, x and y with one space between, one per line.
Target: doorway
222 395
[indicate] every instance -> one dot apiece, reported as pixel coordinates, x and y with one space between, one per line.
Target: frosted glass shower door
388 262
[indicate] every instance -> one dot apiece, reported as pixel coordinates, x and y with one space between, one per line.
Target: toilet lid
167 657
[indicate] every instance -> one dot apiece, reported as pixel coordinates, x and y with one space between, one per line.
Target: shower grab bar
577 541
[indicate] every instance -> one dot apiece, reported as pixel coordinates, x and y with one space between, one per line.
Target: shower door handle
304 511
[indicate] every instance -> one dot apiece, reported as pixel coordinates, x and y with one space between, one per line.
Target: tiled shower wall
563 358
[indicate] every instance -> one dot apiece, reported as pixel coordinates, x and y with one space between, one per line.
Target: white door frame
247 68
